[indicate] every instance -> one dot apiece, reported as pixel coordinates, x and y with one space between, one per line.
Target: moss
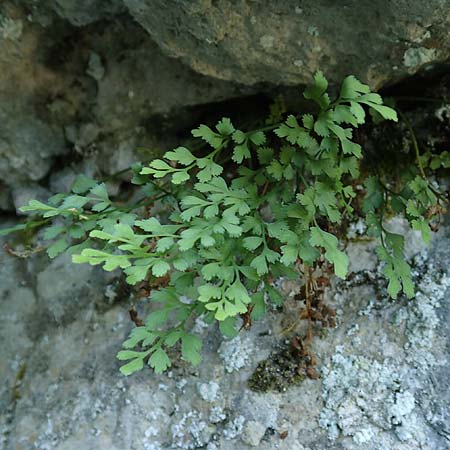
15 392
278 372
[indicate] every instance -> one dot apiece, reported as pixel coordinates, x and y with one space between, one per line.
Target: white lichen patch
234 428
313 31
371 395
217 414
191 431
200 326
423 322
208 391
267 41
95 67
10 29
356 229
443 113
235 353
418 56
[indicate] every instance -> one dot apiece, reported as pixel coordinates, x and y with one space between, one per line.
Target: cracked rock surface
379 41
384 369
83 84
90 81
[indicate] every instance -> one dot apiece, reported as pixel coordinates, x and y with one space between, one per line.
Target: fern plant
245 209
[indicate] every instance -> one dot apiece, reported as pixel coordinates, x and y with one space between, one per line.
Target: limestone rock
27 146
384 370
285 42
78 12
64 289
253 433
72 87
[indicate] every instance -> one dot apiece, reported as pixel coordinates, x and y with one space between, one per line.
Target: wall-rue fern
235 226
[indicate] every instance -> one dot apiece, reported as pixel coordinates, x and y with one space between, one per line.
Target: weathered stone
27 146
18 304
5 198
253 433
284 43
383 384
89 91
28 139
93 94
21 195
78 13
63 289
142 82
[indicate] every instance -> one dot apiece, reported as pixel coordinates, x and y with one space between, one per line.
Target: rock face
383 382
79 81
84 83
286 42
84 12
93 80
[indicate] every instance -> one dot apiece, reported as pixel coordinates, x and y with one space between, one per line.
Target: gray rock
30 191
78 13
208 391
62 180
5 198
243 42
10 29
418 56
235 353
87 134
28 140
92 97
253 433
142 81
18 304
64 289
27 146
281 43
384 370
95 69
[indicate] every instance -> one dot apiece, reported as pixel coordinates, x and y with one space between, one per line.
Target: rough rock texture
93 80
82 85
384 382
80 12
28 140
94 92
285 42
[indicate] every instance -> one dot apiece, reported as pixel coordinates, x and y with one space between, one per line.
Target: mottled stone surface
95 79
82 85
384 369
286 42
78 81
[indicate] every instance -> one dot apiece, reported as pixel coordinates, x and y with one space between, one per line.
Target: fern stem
415 144
419 163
